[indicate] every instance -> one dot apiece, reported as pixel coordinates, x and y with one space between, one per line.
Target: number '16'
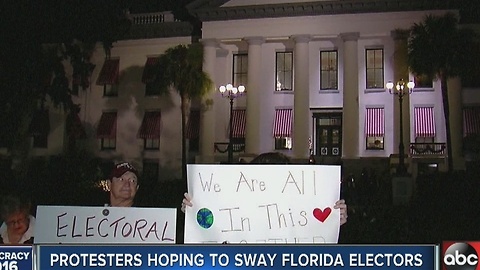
6 265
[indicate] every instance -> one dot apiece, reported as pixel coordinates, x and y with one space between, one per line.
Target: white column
301 98
254 95
350 96
454 86
207 115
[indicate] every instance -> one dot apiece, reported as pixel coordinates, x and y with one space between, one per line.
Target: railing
222 147
427 149
152 18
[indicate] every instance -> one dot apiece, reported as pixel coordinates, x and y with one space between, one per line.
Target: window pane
423 81
328 70
324 136
240 69
151 144
152 89
378 78
335 136
282 143
108 144
110 90
374 68
284 71
375 143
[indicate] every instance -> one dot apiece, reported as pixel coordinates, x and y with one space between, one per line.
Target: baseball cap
120 168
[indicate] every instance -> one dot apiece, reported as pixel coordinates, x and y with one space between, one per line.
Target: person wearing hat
123 185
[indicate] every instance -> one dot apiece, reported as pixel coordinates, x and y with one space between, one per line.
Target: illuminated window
284 71
374 68
328 70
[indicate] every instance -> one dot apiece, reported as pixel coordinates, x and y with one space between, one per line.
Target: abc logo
460 256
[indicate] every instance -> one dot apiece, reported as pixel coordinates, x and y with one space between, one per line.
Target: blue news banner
16 257
237 256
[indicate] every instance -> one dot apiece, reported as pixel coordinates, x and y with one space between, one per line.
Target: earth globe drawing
205 218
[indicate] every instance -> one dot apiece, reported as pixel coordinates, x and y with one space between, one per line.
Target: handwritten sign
263 204
79 224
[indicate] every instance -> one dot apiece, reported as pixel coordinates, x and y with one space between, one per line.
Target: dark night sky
26 20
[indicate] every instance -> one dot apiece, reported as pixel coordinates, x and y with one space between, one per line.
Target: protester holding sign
18 226
276 158
296 177
123 185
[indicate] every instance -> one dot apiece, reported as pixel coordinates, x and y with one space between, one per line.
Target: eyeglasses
17 221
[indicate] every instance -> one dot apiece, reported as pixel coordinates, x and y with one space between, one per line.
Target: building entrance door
328 134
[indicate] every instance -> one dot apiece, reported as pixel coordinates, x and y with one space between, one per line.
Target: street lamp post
401 89
231 93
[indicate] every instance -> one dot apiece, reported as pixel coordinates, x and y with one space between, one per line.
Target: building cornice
212 10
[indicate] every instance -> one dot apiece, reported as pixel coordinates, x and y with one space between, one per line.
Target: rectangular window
284 71
283 143
374 68
424 139
108 77
107 130
240 69
471 121
40 128
152 89
108 143
375 128
423 81
282 129
424 122
110 90
375 143
149 76
150 130
151 143
328 70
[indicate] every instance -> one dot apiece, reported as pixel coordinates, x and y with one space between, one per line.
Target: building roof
218 10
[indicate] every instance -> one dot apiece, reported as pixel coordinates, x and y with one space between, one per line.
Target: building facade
315 74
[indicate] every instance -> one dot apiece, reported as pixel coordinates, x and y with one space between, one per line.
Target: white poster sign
263 204
117 225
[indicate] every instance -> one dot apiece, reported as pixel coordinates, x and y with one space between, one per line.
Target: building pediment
217 10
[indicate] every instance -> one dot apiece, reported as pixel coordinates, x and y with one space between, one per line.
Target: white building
315 75
316 71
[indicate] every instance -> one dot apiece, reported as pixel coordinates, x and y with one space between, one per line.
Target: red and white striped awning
471 121
375 122
150 128
238 123
148 75
193 125
424 122
282 126
107 127
109 73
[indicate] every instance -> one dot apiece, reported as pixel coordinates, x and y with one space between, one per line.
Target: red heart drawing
322 215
